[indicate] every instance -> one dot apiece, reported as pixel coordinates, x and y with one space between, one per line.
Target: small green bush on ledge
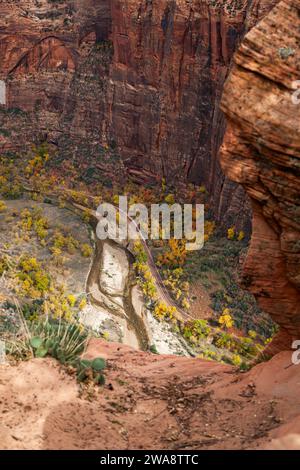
61 340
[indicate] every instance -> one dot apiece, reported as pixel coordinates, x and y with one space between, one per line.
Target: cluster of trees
233 234
226 346
3 206
145 277
61 241
39 293
172 261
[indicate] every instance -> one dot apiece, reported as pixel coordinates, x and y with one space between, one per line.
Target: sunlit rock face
261 151
145 77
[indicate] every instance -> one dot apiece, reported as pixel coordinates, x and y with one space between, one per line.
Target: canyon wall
142 76
261 151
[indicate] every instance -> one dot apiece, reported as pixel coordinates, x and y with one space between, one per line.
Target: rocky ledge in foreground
149 402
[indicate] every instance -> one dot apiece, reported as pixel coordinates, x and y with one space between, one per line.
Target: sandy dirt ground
150 402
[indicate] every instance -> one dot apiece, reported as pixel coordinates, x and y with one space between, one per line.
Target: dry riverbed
114 309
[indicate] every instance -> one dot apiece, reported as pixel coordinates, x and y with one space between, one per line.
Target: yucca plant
59 339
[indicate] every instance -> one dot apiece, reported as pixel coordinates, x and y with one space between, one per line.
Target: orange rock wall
261 151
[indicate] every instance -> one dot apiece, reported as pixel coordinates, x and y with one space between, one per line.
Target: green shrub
87 369
59 339
196 329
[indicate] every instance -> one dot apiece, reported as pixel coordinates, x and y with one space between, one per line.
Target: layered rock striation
142 76
261 152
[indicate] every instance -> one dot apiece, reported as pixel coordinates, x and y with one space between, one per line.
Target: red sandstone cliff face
145 76
261 151
167 78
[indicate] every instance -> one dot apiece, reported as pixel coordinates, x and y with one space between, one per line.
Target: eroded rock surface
142 76
114 270
261 151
